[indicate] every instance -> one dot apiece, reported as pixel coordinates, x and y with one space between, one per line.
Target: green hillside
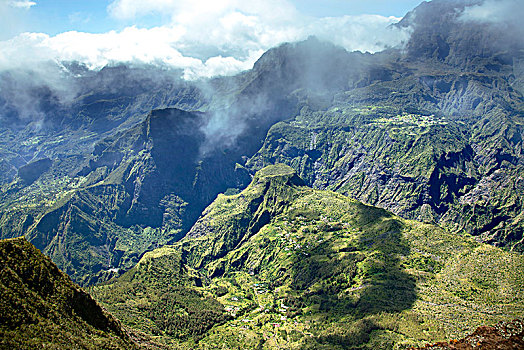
42 308
284 265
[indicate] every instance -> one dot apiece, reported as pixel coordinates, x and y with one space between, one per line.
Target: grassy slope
296 267
41 307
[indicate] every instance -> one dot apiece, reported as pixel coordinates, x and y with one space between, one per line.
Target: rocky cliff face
419 165
432 132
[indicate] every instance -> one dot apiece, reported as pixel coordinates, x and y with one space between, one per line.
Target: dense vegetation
42 308
157 297
290 266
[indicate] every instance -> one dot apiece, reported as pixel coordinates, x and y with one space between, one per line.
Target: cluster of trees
183 312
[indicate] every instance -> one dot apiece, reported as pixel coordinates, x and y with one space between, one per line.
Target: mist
26 95
42 74
503 17
495 11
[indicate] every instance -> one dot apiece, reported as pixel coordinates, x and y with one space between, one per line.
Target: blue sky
201 37
397 8
57 16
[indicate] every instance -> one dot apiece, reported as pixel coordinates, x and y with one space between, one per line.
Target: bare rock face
32 171
503 336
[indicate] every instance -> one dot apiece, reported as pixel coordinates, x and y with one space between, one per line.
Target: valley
322 199
323 271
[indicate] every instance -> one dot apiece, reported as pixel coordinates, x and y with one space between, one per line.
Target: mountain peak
274 186
446 31
278 171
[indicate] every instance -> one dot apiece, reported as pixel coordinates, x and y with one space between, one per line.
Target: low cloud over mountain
223 39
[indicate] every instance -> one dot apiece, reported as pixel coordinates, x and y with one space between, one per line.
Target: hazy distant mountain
322 199
431 131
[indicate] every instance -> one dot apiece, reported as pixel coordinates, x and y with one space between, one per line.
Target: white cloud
363 33
191 11
22 4
203 37
495 11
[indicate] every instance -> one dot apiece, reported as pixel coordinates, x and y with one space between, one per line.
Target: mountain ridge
41 306
429 138
319 263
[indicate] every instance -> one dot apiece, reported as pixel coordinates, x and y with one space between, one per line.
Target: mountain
42 308
131 179
124 160
283 265
459 37
434 133
130 192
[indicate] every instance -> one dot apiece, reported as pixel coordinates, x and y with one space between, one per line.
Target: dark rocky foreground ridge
431 132
504 335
